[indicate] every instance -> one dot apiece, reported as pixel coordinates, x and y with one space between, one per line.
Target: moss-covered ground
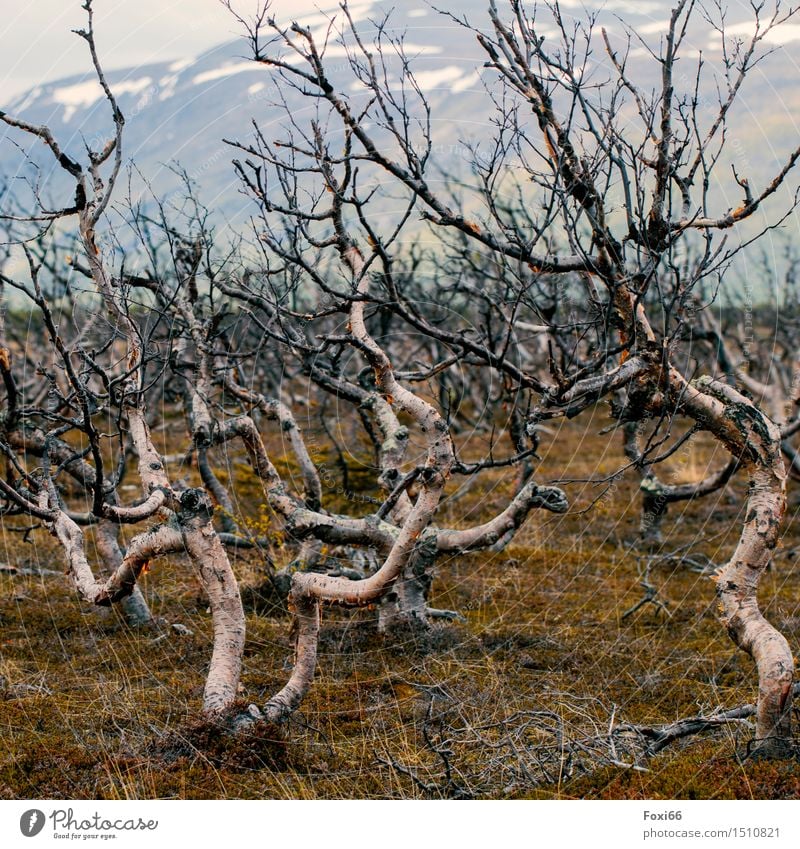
518 700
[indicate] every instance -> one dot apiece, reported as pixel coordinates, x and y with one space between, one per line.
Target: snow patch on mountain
225 71
428 80
78 96
653 28
468 82
782 34
180 64
26 100
622 7
82 95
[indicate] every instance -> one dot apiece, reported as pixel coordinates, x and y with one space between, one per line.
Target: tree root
659 737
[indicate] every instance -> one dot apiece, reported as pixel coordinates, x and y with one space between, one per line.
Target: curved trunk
135 610
155 542
310 590
207 553
657 495
737 588
756 441
654 506
405 605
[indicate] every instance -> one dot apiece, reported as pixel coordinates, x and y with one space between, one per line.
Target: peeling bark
145 547
309 590
530 497
208 555
134 607
756 442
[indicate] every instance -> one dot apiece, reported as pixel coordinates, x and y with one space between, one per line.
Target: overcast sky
37 44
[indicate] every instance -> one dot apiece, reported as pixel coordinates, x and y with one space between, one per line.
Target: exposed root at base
659 737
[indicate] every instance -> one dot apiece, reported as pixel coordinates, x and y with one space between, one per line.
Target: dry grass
491 707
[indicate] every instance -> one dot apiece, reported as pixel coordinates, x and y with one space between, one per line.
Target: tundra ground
524 698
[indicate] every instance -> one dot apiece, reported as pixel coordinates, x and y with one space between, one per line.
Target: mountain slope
180 111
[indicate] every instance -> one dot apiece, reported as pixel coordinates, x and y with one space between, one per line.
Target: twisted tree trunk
134 607
208 555
756 441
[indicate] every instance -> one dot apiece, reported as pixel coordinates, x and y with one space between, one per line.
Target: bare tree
628 262
108 384
573 264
